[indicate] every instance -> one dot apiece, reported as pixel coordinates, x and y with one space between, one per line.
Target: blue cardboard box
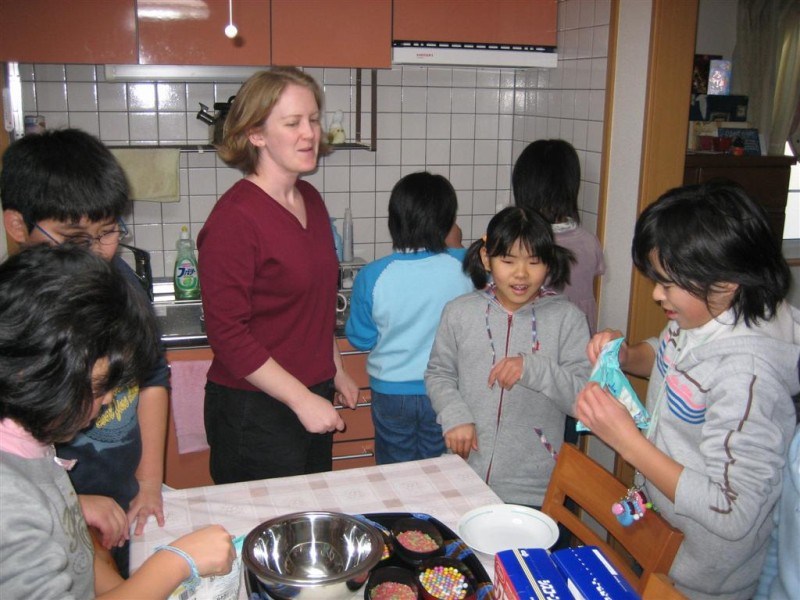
590 575
528 574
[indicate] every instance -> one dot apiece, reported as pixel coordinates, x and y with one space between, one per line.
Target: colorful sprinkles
417 541
392 590
445 583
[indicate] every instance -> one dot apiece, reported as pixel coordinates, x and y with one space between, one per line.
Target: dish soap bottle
337 240
347 236
186 281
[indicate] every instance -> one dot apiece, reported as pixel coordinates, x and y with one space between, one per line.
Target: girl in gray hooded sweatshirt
509 358
722 374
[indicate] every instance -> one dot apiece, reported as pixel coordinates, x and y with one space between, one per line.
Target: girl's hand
600 339
347 389
507 372
105 515
211 548
606 416
147 503
462 440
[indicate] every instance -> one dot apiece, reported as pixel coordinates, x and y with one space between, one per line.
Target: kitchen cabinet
194 33
55 31
353 447
320 33
523 22
764 178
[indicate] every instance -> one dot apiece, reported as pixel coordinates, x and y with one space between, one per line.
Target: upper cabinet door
528 22
56 31
321 33
193 33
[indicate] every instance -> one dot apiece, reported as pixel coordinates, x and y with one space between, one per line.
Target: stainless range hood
455 54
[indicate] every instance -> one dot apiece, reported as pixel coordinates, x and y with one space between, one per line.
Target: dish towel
188 379
153 173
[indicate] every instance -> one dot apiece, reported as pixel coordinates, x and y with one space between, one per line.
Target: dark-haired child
546 178
72 333
395 308
722 374
66 186
509 358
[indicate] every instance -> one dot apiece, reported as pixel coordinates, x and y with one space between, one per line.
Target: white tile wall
468 124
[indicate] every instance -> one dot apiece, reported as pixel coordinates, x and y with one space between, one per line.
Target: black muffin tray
454 547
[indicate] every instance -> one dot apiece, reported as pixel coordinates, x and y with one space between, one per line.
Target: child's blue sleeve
360 329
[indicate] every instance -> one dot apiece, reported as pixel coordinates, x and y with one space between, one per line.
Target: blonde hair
251 107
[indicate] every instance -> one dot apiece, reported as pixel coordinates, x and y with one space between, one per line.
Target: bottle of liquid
337 240
186 281
347 236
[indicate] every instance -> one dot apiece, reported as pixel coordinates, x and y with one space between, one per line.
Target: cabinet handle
365 454
358 405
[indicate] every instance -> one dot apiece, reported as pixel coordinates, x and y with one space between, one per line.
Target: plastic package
608 374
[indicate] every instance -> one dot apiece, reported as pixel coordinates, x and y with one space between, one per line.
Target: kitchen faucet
144 272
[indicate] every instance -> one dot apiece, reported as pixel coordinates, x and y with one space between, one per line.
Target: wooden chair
651 541
660 587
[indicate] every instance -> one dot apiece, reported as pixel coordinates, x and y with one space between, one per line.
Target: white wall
716 28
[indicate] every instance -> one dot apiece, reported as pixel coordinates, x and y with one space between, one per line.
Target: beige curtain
766 66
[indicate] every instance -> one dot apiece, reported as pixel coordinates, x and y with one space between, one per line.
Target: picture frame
750 137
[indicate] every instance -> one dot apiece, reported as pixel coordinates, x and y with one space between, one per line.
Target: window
791 227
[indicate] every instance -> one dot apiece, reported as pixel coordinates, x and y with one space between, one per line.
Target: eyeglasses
106 238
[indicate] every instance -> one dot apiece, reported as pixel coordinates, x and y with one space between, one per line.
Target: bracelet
191 582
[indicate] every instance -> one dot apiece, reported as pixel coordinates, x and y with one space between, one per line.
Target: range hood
458 54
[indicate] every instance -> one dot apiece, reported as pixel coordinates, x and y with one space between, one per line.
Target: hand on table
147 503
211 548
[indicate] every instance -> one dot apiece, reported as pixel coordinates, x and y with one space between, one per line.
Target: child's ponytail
473 265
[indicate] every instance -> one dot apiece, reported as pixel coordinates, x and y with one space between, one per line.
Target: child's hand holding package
609 375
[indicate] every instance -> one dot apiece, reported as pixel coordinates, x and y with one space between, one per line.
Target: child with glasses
72 335
66 186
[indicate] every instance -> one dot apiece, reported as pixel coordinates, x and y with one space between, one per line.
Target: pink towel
188 391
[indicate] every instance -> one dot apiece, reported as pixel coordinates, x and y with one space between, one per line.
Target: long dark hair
517 224
62 309
546 178
704 235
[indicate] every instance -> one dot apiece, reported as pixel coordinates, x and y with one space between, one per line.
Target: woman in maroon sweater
269 276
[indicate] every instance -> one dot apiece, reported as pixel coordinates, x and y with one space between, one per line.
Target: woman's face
289 139
518 276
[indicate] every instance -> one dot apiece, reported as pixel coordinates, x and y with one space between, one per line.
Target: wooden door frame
664 137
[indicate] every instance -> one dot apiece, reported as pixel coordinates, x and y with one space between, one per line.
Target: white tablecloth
444 487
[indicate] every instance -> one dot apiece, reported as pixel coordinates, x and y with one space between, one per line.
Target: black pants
254 436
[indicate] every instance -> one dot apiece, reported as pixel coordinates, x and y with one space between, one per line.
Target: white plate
490 529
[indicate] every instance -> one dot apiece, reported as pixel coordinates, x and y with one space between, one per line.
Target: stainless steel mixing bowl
311 555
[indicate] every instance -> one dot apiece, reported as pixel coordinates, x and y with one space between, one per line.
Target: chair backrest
659 587
651 541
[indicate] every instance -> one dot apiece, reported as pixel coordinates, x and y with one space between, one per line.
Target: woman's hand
347 390
147 503
461 440
318 415
606 416
600 339
507 372
105 515
211 549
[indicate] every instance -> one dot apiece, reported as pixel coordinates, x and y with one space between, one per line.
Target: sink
180 321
